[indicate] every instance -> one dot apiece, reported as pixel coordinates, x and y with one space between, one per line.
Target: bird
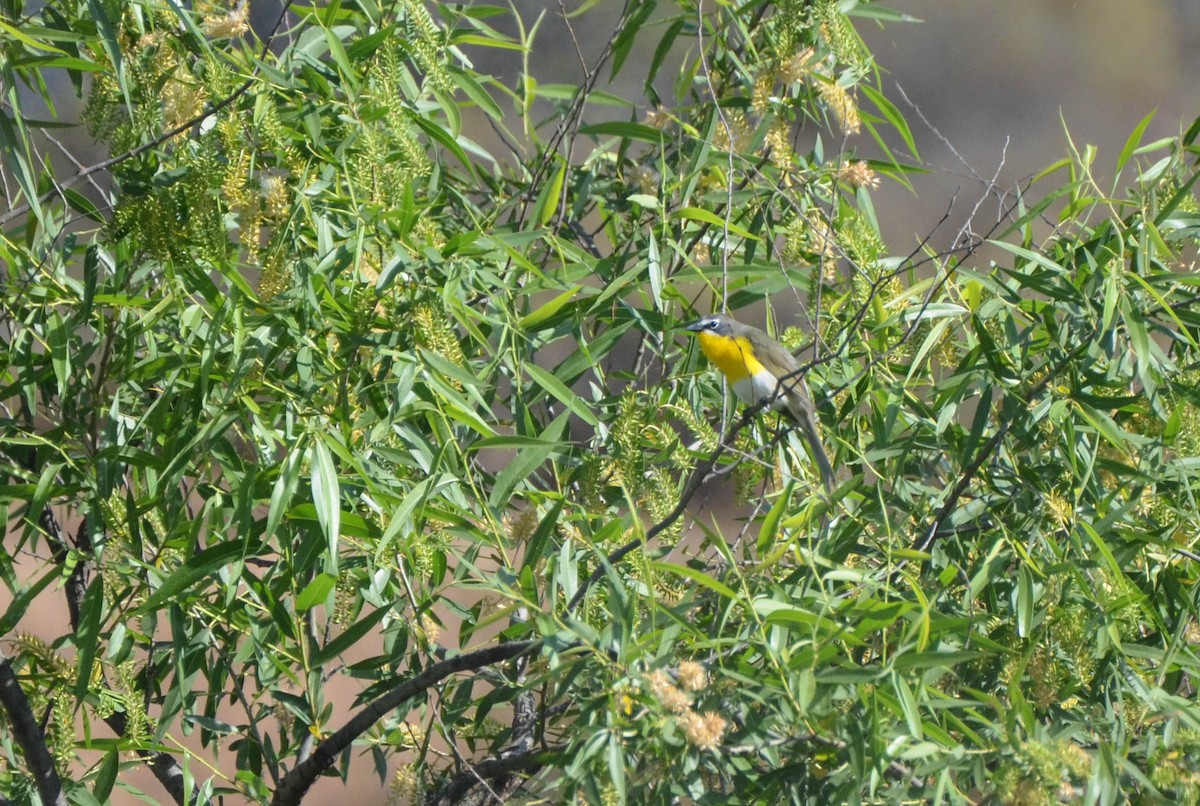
754 363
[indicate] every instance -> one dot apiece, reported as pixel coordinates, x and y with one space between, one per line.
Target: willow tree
352 365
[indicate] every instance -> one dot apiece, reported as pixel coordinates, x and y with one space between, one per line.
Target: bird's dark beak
696 326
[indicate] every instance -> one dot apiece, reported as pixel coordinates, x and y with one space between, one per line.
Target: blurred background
987 73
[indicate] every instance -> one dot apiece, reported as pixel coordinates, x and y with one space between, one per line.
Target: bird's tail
807 421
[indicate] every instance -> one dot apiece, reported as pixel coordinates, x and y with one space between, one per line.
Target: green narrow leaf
621 46
315 592
616 765
1029 255
562 393
699 577
566 570
769 530
806 689
453 115
936 660
535 549
628 131
931 340
469 380
1025 603
662 49
1111 290
91 275
1140 338
28 40
112 46
700 214
338 53
87 635
185 20
526 461
327 497
403 518
655 271
547 203
213 725
476 92
1105 426
14 153
908 704
41 495
281 494
486 42
1110 560
20 603
199 566
1167 309
783 614
349 638
892 115
1132 141
106 776
447 141
60 356
547 310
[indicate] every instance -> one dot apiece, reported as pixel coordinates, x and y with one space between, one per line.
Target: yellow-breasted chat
754 363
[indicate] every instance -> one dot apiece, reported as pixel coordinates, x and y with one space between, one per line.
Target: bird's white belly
755 387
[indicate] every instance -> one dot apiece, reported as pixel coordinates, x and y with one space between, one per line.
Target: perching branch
699 474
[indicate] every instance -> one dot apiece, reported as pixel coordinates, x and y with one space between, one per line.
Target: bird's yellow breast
733 355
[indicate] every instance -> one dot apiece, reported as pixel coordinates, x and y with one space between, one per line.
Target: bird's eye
712 324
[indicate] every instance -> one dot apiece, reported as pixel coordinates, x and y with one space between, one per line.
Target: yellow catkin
841 105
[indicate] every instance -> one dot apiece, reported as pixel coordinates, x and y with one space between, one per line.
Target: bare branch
29 735
492 768
297 782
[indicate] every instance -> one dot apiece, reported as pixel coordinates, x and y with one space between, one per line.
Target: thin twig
697 477
492 768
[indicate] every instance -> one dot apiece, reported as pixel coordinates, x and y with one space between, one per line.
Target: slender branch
499 767
29 735
297 782
699 474
989 448
79 165
571 119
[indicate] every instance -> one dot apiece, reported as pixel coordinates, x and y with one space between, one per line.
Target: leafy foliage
325 380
